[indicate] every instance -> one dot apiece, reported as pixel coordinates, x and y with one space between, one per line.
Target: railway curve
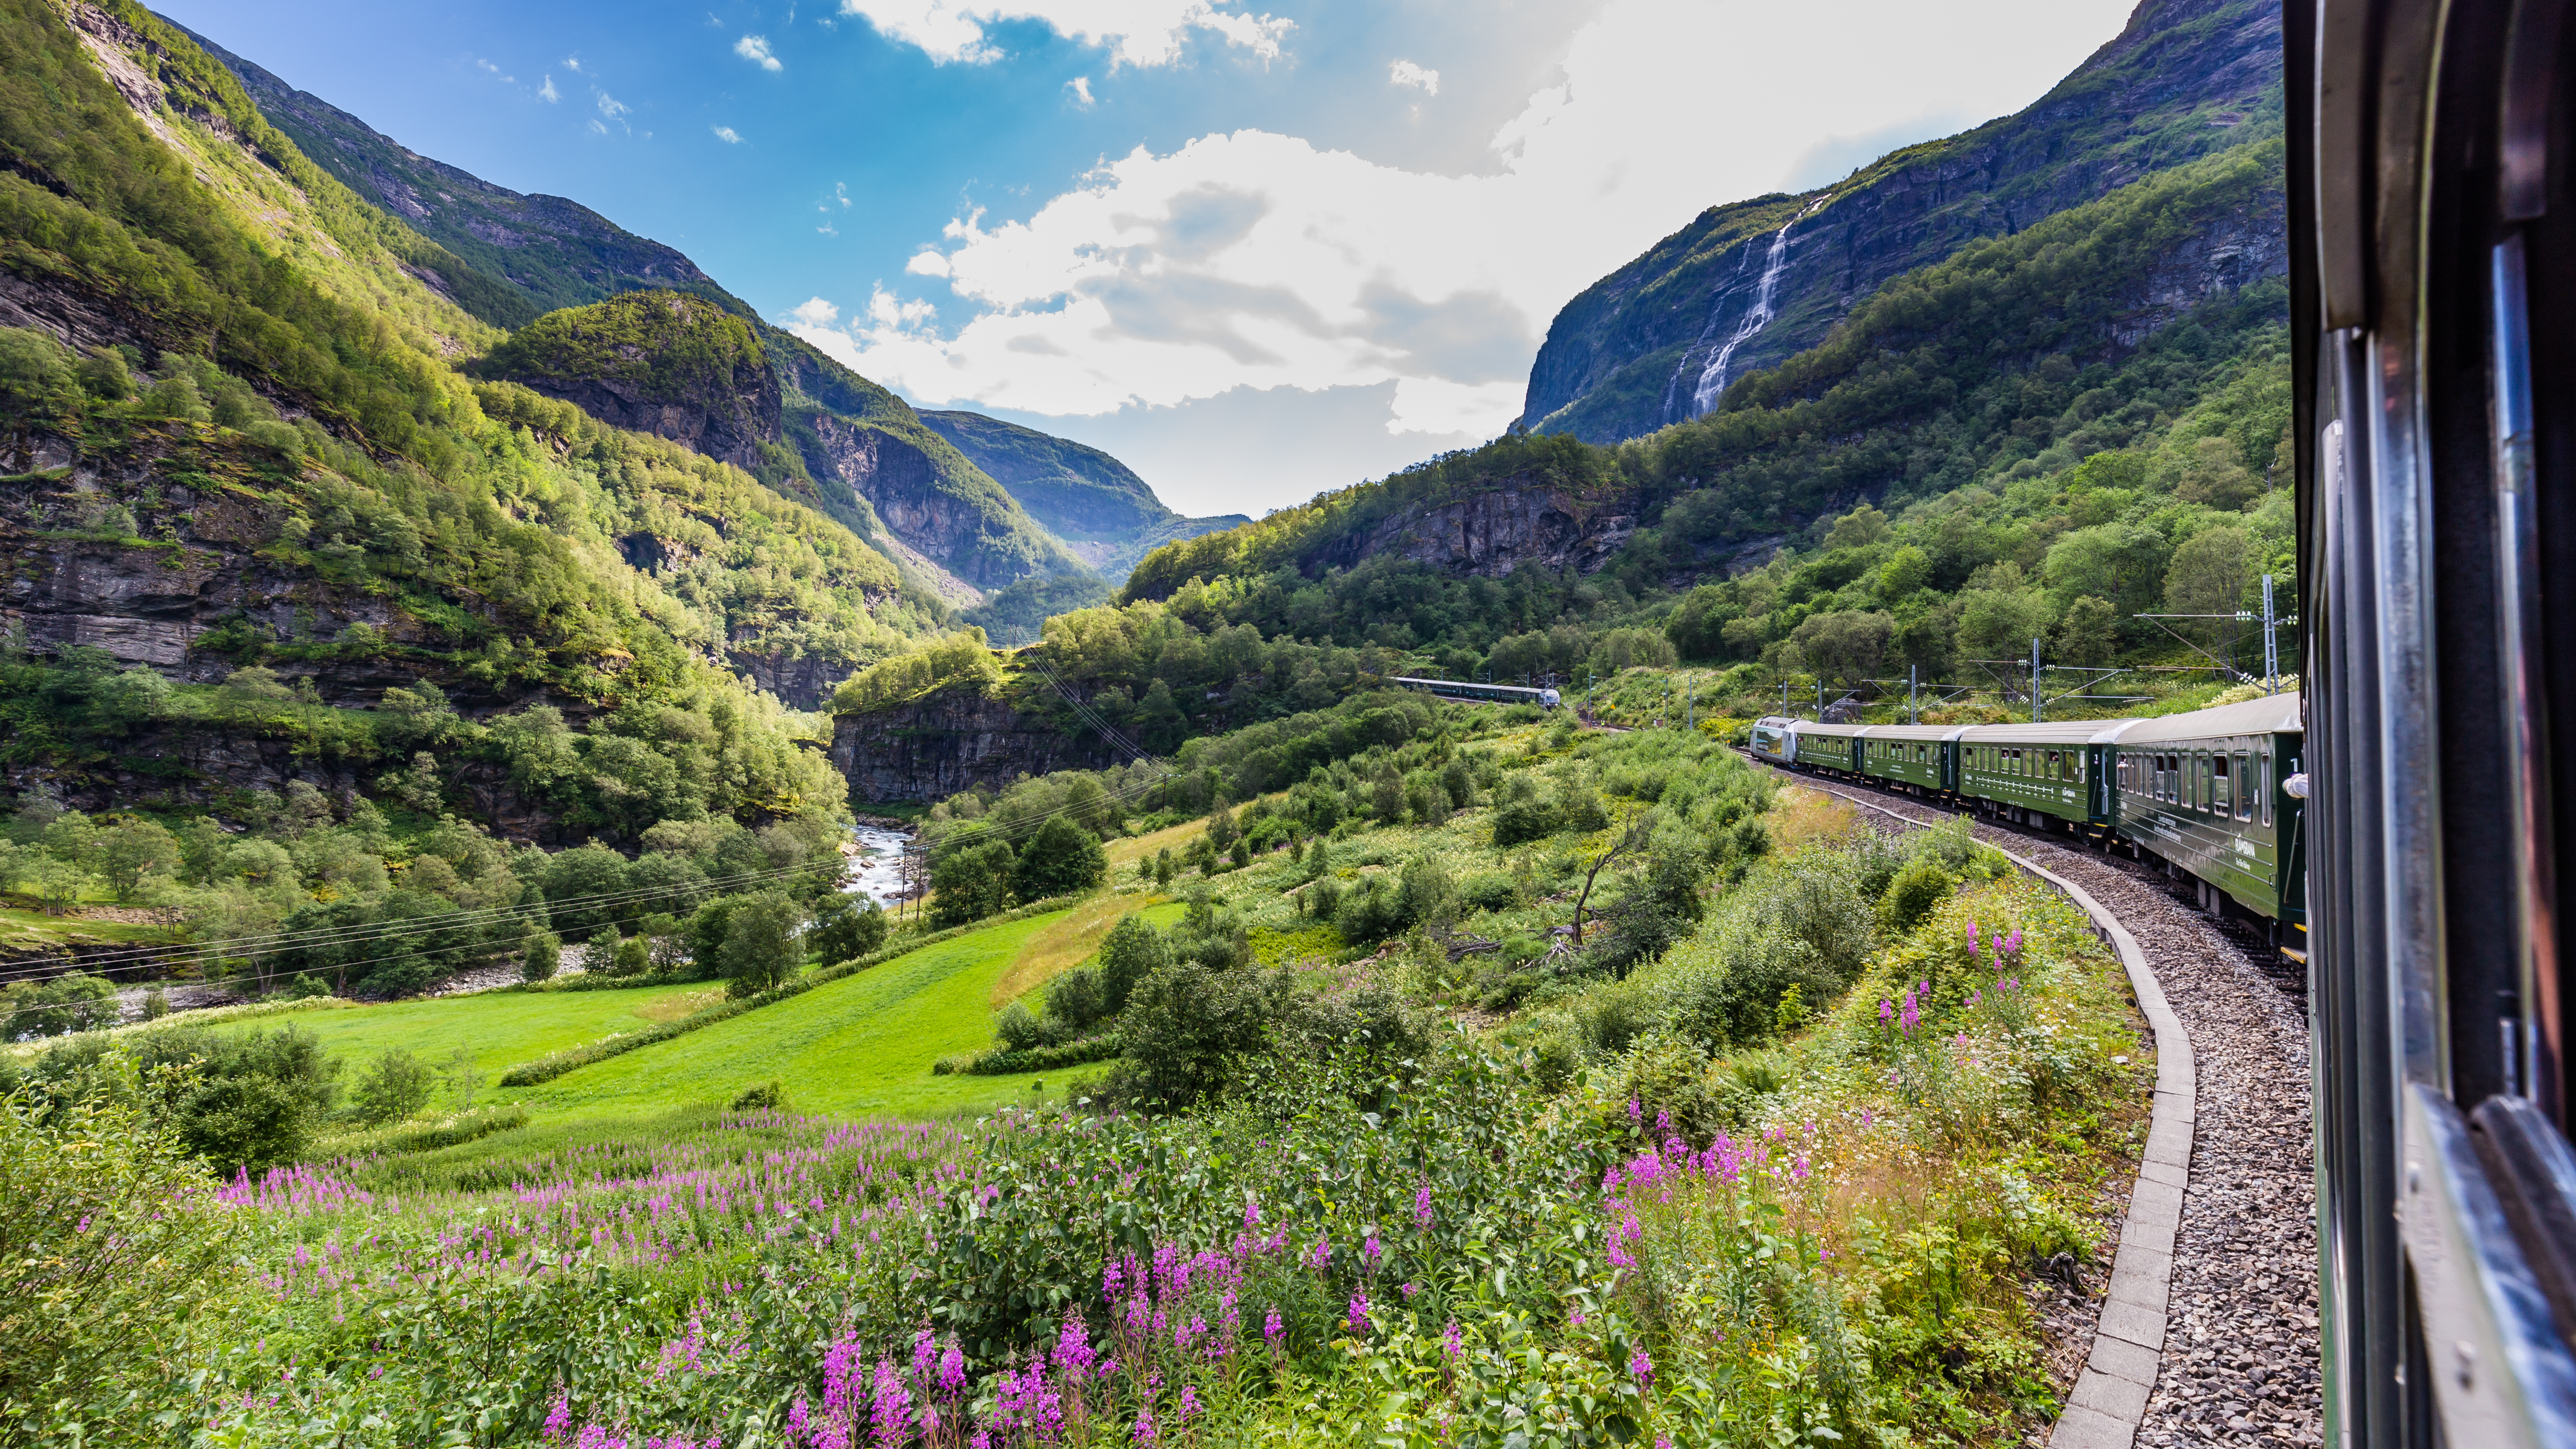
2238 1362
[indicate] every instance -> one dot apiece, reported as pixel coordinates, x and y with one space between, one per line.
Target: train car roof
1913 732
1833 731
2048 732
2276 714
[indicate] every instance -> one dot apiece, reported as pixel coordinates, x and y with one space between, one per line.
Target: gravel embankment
2240 1359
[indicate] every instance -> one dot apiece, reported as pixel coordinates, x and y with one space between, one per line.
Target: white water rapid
1712 376
877 870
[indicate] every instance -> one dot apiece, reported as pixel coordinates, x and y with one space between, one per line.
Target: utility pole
1913 716
1820 699
2034 681
1690 707
2271 644
1784 698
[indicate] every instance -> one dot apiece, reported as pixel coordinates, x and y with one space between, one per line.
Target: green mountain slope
236 440
1082 495
549 251
1656 341
2093 331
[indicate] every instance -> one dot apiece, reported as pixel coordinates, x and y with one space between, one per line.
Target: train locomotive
2212 795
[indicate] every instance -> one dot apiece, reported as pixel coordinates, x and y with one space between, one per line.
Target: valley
1041 977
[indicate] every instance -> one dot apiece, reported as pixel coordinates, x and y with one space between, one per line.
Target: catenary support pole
2034 681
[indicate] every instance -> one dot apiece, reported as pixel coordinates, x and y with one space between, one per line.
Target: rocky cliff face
115 554
1654 342
969 537
726 423
951 740
1497 529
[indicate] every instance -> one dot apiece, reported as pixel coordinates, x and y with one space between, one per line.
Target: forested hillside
2026 436
284 567
1748 285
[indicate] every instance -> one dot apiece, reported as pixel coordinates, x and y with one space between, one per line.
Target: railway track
2239 1365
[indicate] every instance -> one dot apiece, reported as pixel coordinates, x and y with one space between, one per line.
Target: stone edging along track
2110 1399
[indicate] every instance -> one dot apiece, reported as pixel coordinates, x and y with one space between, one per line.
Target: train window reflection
2244 789
2221 800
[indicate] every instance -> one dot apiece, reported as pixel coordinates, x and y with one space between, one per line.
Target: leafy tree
2214 475
1061 859
1131 952
1849 645
2088 633
1911 897
2209 575
393 1088
970 881
1859 528
761 949
845 928
1906 570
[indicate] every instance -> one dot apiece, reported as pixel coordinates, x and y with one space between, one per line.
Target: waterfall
1713 374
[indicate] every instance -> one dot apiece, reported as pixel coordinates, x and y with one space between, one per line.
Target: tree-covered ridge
665 346
546 252
2180 82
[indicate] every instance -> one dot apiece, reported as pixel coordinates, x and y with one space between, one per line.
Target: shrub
74 1001
1018 1028
114 1241
393 1088
1075 1000
539 958
1919 887
1187 1025
768 1096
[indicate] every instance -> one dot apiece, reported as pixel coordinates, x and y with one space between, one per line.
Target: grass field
1071 938
859 1047
499 1029
25 930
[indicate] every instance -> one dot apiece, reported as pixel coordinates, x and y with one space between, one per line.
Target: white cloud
815 312
755 48
1406 73
548 93
573 63
490 69
728 135
841 190
610 106
596 128
1253 260
1135 32
1081 87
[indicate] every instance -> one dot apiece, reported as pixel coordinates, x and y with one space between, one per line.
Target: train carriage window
2200 773
2221 801
2244 787
2263 768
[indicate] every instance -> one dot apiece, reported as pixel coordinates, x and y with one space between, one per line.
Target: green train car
2208 793
2205 793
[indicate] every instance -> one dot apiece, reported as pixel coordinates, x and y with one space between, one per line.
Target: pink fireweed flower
1636 1114
1320 1255
1189 1402
559 1418
1371 1250
1886 1010
1359 1312
1422 1206
1073 1352
890 1408
1273 1332
1642 1369
1251 1214
1408 1290
1452 1342
1144 1433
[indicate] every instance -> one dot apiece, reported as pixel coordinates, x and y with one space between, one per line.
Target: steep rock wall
951 740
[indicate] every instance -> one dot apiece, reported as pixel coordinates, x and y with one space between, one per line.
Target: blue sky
1257 250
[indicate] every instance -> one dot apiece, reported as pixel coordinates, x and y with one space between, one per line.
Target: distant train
2213 794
